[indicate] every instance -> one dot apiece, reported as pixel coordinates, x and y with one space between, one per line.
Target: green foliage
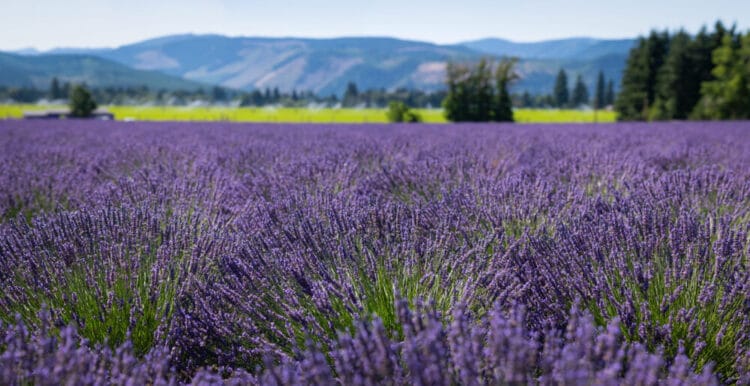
681 77
55 91
609 96
702 292
456 102
82 104
673 88
399 112
504 75
638 91
350 95
728 96
475 94
600 95
580 93
109 298
561 94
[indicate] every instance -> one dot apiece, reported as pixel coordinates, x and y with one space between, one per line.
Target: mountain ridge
326 65
38 70
568 48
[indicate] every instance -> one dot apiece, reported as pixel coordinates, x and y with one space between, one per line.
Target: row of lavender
170 253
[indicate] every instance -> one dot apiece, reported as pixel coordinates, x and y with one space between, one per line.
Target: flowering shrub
149 253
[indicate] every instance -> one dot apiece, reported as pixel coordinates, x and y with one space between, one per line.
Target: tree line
378 98
479 92
381 97
679 76
562 97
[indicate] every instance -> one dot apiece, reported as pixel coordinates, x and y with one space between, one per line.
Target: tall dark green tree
560 92
599 94
351 95
580 93
456 102
687 66
475 95
673 83
218 94
82 104
638 91
483 94
609 95
55 92
701 51
505 74
728 95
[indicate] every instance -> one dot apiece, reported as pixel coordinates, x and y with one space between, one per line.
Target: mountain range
38 70
323 66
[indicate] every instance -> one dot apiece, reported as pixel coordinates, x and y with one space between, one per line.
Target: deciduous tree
82 104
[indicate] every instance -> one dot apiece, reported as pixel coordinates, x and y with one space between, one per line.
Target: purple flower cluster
490 351
374 254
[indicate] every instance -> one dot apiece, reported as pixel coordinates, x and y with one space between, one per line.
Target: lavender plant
455 254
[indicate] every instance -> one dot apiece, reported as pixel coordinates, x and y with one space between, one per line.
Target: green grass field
305 115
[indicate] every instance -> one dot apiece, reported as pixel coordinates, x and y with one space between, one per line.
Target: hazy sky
86 23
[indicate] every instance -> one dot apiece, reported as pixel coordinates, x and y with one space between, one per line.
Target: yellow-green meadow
305 115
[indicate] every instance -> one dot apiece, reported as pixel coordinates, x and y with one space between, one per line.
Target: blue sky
106 23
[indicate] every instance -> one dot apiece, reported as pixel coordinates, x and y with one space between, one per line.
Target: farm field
156 252
306 115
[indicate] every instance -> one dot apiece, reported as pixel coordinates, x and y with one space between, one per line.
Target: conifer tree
456 102
351 95
599 97
728 96
701 52
55 92
560 92
504 75
609 95
673 81
580 93
482 95
474 96
638 91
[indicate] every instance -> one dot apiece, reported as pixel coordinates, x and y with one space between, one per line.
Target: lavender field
166 253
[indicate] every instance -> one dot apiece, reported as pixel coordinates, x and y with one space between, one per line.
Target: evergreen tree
609 95
638 91
456 102
54 90
701 52
673 80
351 95
482 93
728 96
473 96
599 98
560 92
218 94
81 102
504 75
580 93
